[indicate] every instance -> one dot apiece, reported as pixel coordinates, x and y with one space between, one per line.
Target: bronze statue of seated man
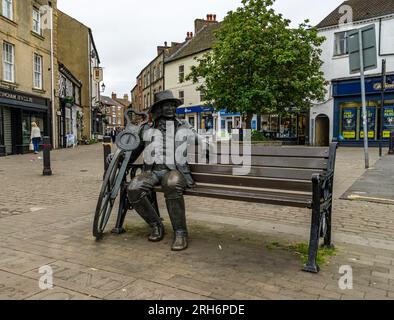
174 177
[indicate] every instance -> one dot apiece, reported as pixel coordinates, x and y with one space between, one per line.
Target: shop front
17 112
199 117
290 128
348 116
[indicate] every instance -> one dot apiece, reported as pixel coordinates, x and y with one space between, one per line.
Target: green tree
259 64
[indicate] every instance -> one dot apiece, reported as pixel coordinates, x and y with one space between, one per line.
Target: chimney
126 97
113 95
199 24
189 35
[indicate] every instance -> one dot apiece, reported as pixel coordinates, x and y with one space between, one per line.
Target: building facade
114 113
69 119
178 66
339 117
77 51
26 80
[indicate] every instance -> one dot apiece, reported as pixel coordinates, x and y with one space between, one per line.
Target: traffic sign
369 49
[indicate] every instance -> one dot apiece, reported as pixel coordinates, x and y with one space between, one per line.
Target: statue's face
168 110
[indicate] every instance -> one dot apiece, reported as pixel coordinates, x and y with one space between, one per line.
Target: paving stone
60 294
147 290
15 287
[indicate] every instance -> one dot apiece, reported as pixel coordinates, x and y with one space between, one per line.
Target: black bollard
107 145
391 145
46 145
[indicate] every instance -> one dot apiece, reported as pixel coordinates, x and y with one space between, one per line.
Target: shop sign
16 97
349 123
388 121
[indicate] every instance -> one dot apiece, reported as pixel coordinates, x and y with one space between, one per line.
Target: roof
109 101
362 10
123 102
202 41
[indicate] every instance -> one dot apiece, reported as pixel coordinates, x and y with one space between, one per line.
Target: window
119 121
202 95
36 21
158 71
181 73
37 71
154 74
341 44
7 9
8 62
182 96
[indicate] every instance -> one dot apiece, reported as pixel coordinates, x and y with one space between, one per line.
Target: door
7 131
322 132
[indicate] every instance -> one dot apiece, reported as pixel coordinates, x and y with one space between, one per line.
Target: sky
127 32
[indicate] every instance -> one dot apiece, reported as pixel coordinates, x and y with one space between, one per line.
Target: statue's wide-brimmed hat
164 96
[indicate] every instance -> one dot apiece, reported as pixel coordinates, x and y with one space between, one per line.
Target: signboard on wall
388 121
349 123
98 74
371 124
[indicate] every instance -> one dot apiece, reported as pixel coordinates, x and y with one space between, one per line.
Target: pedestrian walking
35 136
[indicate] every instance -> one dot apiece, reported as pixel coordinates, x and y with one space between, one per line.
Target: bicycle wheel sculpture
115 176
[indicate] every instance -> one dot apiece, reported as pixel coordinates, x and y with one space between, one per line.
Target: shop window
341 44
274 123
288 126
349 120
191 121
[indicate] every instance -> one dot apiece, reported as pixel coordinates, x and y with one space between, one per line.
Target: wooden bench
288 176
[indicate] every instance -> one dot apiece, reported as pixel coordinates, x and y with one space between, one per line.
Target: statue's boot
176 211
145 209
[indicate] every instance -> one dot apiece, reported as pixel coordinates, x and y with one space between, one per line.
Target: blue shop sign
224 113
373 85
195 109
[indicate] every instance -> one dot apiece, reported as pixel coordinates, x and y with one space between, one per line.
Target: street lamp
102 88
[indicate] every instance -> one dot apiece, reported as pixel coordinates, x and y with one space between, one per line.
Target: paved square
48 221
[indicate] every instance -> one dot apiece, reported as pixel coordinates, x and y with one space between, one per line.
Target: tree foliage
259 64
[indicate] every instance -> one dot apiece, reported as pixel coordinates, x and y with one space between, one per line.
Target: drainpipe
54 135
90 89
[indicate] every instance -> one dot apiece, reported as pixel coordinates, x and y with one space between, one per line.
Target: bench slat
280 162
252 182
255 196
269 151
266 172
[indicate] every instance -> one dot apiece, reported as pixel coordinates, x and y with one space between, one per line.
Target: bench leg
312 266
327 237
